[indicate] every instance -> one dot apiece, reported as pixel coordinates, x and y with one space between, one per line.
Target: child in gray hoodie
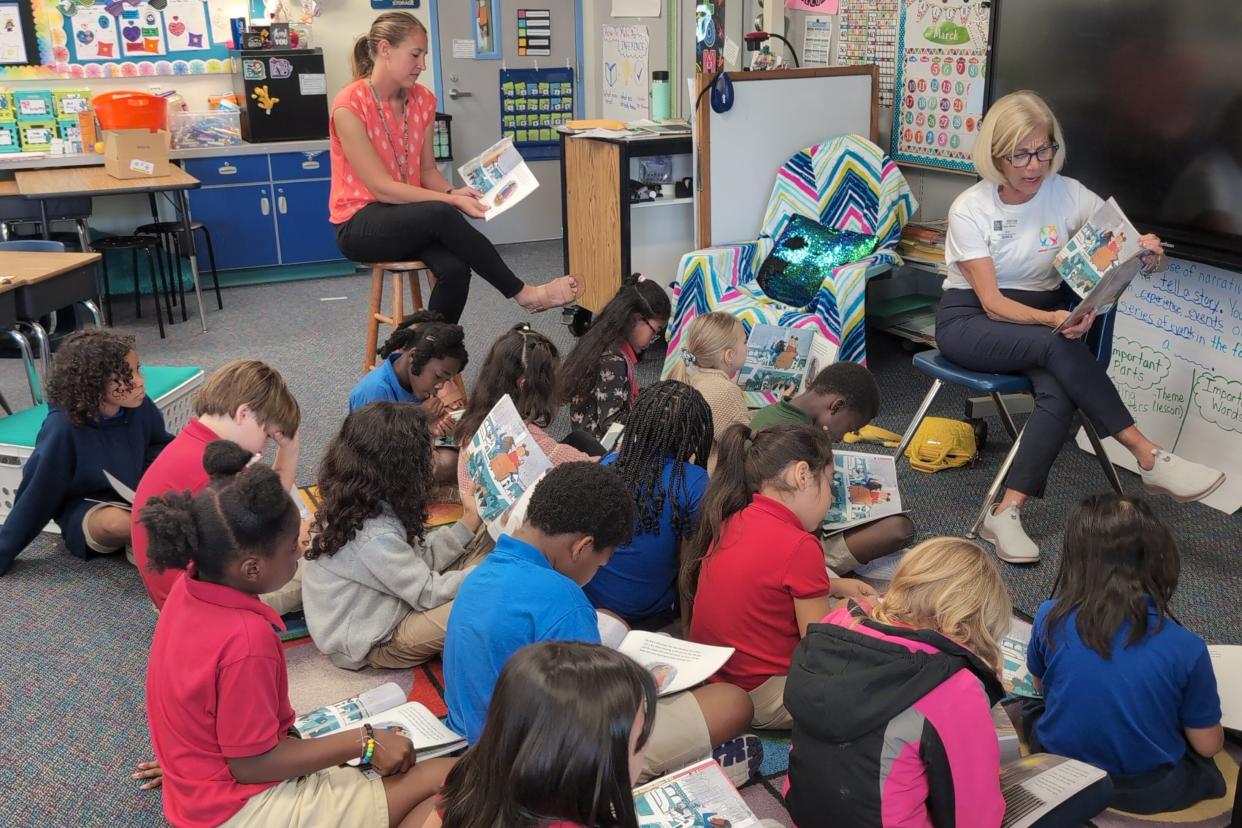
377 587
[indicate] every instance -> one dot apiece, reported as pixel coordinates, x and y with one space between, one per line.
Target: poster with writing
709 36
625 80
141 32
1177 363
866 34
941 76
817 41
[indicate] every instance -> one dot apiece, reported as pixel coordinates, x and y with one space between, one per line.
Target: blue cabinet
266 210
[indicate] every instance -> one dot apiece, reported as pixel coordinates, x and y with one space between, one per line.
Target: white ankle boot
1004 530
1180 479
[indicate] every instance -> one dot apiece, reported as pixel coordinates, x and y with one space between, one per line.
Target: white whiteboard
771 119
1177 362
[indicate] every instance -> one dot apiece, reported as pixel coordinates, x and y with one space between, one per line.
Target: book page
675 665
1105 293
503 460
1035 785
864 489
349 713
823 353
1107 240
501 175
612 631
698 795
1227 664
414 721
776 357
1014 675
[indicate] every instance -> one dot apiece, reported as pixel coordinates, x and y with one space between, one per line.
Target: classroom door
471 94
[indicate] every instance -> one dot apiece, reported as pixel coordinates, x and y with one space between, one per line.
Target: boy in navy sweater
99 419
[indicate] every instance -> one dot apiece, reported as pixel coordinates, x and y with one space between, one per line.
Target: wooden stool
374 317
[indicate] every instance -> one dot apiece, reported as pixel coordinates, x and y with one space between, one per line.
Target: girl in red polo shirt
217 687
562 744
754 574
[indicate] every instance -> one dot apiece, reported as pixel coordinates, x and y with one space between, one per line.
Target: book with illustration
501 175
1100 261
698 796
780 360
383 707
675 664
1015 677
864 489
503 460
1034 785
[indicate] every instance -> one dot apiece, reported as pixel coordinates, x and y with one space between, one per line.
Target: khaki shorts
769 700
332 798
288 598
678 737
837 555
91 543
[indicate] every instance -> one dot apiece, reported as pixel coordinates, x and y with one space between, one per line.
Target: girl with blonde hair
713 352
908 685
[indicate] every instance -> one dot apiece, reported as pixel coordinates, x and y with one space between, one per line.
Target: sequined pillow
804 255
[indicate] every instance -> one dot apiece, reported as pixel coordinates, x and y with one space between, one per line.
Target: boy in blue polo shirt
429 355
529 589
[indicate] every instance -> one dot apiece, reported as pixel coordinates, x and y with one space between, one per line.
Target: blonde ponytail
707 338
392 26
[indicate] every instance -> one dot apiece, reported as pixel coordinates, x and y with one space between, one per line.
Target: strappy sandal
556 293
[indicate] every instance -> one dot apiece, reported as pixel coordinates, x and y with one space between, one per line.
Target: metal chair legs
1110 471
918 419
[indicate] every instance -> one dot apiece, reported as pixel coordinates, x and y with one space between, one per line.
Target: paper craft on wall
533 103
187 25
709 37
12 35
625 79
867 34
941 78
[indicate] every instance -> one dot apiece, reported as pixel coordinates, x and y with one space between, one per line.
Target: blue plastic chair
941 370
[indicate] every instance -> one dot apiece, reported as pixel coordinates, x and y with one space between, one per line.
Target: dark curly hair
435 340
86 364
635 301
523 354
854 383
670 421
583 498
406 332
244 508
381 455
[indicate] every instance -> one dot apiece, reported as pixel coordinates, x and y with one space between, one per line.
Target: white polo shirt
1021 239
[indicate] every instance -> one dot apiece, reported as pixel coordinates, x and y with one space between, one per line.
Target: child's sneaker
740 758
1180 479
1004 530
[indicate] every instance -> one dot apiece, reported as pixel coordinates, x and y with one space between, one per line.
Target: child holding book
601 374
562 745
377 586
529 589
842 399
217 685
1126 688
524 364
713 351
754 575
917 672
244 401
668 435
99 419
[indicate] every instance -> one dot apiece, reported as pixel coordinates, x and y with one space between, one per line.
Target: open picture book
501 175
383 707
779 358
1227 664
1036 784
864 489
699 795
1015 677
1100 261
675 665
503 460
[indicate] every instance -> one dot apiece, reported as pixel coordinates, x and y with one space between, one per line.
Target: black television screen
1149 95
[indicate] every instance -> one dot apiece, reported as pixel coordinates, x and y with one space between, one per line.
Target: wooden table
35 284
71 182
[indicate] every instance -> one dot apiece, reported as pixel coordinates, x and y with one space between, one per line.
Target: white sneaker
1004 530
1180 479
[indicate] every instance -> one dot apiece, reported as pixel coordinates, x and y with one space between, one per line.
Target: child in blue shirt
666 442
99 419
1126 688
529 589
420 358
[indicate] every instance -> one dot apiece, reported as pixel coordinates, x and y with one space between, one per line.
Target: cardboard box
136 153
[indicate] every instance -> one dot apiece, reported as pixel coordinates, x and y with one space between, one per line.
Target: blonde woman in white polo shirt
1003 298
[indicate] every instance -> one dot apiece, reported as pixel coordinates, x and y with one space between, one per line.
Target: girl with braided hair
664 448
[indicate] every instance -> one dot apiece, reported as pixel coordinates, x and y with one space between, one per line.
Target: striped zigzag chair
847 183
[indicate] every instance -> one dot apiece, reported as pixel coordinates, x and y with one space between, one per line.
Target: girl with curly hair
377 587
99 418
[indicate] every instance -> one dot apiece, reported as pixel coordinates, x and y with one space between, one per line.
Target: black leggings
438 234
1065 375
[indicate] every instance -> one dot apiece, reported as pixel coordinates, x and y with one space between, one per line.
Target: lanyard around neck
403 155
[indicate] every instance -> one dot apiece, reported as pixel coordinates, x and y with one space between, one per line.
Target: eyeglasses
654 330
1023 158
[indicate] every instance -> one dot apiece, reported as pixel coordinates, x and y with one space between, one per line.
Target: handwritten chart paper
625 80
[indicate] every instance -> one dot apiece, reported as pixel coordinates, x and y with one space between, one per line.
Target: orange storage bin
131 110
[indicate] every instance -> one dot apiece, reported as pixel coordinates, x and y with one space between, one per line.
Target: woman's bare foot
556 293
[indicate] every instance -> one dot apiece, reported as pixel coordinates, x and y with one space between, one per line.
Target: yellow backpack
941 443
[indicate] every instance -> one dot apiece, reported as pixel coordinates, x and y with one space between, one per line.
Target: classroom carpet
75 635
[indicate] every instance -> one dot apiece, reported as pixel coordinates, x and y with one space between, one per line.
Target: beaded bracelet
369 750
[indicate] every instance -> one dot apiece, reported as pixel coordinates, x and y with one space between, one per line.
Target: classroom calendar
867 33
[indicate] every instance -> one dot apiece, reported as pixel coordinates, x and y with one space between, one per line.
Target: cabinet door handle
281 205
265 205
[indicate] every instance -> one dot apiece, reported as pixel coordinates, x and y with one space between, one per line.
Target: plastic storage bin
9 141
219 128
171 388
36 136
6 106
69 102
33 105
131 110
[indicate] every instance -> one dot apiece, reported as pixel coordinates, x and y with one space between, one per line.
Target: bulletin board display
86 39
938 95
533 103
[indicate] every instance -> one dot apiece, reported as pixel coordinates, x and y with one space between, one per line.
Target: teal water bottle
660 96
